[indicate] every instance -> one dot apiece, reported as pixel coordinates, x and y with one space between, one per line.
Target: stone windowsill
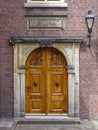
32 5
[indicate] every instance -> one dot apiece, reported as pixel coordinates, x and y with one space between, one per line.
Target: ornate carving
36 59
56 58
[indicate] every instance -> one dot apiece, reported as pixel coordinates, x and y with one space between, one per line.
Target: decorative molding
22 67
59 14
70 70
46 43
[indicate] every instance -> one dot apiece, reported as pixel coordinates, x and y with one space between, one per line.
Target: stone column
16 83
71 84
17 95
76 53
22 95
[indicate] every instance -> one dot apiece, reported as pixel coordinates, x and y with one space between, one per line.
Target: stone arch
64 52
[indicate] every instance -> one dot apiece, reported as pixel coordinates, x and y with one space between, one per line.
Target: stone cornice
60 14
45 40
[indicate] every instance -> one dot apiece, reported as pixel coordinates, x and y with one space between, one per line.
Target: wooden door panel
35 106
58 91
57 107
36 93
56 83
46 82
35 82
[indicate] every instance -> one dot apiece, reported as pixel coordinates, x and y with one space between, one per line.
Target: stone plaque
45 23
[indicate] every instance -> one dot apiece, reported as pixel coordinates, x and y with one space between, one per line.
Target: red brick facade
13 22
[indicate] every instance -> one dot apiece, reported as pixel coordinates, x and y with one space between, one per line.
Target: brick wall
13 23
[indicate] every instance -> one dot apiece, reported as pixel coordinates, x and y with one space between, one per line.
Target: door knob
35 84
57 83
28 87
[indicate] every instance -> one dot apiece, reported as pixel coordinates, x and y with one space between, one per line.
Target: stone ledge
46 5
48 40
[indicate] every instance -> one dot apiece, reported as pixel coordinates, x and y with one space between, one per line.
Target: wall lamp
90 22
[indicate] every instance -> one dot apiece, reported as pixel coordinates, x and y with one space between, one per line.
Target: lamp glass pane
89 23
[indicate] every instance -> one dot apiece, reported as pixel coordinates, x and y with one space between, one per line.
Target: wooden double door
46 82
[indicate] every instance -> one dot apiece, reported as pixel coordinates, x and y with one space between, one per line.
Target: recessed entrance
46 77
46 80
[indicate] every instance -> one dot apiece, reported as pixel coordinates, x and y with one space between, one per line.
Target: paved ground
14 124
6 124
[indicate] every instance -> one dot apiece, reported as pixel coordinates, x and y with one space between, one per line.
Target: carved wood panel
56 58
36 59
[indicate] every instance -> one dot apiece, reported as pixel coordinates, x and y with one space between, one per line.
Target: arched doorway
46 90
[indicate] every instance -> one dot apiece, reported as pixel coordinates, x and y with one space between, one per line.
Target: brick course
14 23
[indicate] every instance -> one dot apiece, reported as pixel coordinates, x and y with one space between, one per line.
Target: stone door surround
69 47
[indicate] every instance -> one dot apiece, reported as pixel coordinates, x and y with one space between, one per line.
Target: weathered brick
14 23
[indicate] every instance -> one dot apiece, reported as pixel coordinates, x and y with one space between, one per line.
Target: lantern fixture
90 22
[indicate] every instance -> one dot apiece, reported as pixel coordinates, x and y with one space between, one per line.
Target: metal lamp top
90 15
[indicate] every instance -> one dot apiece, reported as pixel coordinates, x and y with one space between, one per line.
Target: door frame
71 54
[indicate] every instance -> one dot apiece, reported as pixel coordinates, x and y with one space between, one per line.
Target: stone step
48 122
46 127
83 126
